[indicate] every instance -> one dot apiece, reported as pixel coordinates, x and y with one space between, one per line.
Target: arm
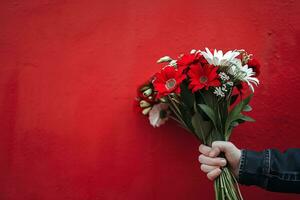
269 169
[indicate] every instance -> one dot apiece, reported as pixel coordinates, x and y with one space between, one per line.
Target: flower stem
226 186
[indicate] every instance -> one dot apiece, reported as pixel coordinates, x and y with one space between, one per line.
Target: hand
211 164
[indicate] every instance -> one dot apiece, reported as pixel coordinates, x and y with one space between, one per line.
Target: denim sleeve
271 170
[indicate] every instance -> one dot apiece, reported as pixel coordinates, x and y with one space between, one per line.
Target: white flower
158 115
223 76
224 88
229 83
218 91
229 64
218 59
246 74
233 66
173 63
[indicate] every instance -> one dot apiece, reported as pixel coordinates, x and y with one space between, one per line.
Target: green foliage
201 127
208 116
186 115
235 117
233 99
186 105
209 112
247 108
247 118
186 95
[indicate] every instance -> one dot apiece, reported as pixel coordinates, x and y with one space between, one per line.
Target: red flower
254 64
188 59
168 81
145 98
243 88
145 92
203 77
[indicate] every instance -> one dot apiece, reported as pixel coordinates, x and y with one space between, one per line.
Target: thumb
220 146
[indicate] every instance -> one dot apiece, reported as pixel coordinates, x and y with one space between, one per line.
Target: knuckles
202 167
201 158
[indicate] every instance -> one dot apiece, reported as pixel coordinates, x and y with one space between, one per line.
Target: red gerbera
186 60
203 77
254 64
168 81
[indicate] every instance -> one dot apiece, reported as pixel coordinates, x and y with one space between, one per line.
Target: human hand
211 164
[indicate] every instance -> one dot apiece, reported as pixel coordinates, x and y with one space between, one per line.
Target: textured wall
68 72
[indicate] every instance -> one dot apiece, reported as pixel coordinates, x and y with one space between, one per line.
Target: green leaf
210 113
241 119
196 125
235 113
208 98
247 100
247 108
247 118
186 115
186 95
234 124
233 98
201 127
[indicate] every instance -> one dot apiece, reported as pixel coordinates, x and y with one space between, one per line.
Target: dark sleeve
271 169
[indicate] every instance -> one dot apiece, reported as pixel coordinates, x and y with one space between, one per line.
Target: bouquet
207 93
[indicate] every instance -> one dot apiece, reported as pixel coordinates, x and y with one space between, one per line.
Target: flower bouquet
207 93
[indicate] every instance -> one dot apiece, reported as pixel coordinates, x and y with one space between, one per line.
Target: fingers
215 151
212 161
222 146
204 149
207 168
212 175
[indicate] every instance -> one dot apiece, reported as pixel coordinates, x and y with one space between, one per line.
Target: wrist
237 163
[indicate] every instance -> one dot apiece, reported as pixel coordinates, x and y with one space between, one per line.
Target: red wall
68 74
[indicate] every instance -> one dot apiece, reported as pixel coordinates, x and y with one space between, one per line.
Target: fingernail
223 161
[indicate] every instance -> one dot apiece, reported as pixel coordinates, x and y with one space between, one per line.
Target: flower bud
146 111
163 100
164 59
147 92
173 63
144 104
193 51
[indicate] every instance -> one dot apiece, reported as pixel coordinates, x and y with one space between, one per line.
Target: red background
68 74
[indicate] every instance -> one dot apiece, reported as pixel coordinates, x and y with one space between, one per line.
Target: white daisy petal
246 74
208 58
217 57
208 52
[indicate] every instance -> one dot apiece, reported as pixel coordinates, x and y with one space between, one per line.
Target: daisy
218 58
247 75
